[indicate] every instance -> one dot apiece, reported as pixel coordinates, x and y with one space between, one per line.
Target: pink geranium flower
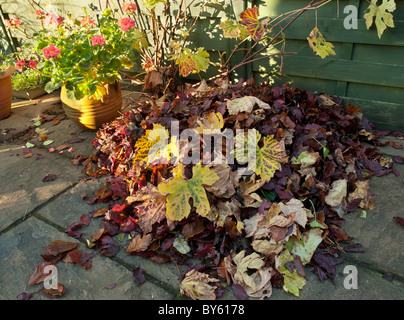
20 64
32 64
51 51
52 20
13 23
129 6
126 23
86 20
97 40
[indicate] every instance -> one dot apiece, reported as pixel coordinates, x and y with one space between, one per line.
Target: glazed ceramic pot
6 93
91 114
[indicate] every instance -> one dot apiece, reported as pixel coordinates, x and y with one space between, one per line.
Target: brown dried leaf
196 286
362 192
139 243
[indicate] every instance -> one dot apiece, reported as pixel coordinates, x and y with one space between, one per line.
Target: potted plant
6 90
29 82
83 58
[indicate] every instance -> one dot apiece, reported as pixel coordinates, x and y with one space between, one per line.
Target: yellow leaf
269 158
179 191
319 45
213 121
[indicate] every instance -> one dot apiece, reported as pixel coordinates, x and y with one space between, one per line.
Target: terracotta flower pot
6 93
91 114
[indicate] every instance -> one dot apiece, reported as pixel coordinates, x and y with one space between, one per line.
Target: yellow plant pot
6 93
91 114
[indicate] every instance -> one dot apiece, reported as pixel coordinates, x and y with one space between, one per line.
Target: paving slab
380 235
20 250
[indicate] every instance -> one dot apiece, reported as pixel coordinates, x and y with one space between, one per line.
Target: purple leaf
25 296
239 292
138 273
398 159
110 286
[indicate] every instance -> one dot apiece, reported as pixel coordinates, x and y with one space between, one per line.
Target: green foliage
28 79
91 53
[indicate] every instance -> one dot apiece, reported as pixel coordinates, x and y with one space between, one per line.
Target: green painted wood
343 70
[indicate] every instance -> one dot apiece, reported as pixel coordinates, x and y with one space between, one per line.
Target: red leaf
38 276
400 220
58 247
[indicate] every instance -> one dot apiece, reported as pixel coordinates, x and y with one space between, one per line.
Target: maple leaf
179 191
256 284
153 146
293 281
249 19
309 243
233 29
213 121
319 45
201 60
151 211
382 18
263 161
151 4
269 158
196 286
186 64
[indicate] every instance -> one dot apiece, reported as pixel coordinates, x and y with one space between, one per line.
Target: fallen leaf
400 220
308 244
337 193
239 292
362 192
54 293
293 281
49 177
179 191
139 277
245 104
139 243
196 285
39 274
257 284
110 286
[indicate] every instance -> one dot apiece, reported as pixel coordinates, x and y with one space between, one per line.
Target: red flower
86 20
126 23
20 64
32 64
13 23
97 40
52 19
39 13
129 6
51 51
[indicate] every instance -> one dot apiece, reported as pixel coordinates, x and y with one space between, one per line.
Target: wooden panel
345 70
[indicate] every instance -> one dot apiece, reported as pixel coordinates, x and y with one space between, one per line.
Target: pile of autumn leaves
253 232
